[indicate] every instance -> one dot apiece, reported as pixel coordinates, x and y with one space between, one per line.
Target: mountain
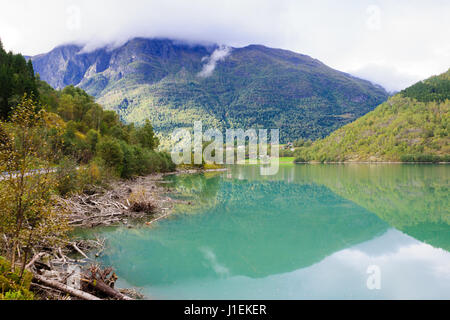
412 126
174 83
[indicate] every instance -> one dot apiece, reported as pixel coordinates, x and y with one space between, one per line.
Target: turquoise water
310 232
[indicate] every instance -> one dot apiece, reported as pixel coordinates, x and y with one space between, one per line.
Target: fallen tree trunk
64 288
54 293
102 287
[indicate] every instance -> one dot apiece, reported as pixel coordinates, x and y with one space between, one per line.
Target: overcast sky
393 43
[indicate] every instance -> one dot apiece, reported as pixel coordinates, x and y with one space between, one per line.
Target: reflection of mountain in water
256 226
256 229
412 198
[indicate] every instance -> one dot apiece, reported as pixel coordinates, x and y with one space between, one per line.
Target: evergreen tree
16 78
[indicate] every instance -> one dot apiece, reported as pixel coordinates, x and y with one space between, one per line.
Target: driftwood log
96 282
102 281
64 288
100 286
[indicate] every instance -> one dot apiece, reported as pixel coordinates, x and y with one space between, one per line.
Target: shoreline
369 162
124 200
119 212
121 203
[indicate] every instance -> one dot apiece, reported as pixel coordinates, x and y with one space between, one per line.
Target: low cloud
219 54
389 77
346 35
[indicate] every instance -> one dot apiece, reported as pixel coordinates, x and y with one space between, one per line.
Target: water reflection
411 198
254 230
409 270
309 232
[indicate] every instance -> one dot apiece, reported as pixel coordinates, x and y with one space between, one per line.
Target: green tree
109 150
29 218
92 138
16 78
145 136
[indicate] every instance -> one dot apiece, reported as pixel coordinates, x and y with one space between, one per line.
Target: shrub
67 177
94 173
136 160
72 178
171 166
12 286
145 136
76 145
300 159
130 160
145 206
161 162
422 158
30 216
92 138
139 202
286 153
110 151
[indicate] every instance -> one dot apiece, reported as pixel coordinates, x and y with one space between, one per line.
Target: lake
352 231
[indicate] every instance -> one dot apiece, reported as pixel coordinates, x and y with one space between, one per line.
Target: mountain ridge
249 87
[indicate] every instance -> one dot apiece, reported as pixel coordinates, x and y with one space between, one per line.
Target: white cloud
388 76
409 36
219 54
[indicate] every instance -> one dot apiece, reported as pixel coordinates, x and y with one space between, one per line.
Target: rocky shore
124 200
71 271
120 202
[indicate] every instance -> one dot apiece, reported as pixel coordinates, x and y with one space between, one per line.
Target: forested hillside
81 131
55 144
16 78
412 126
174 84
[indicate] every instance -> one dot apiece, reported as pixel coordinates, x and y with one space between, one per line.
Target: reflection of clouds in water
400 249
410 269
389 242
432 261
212 259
